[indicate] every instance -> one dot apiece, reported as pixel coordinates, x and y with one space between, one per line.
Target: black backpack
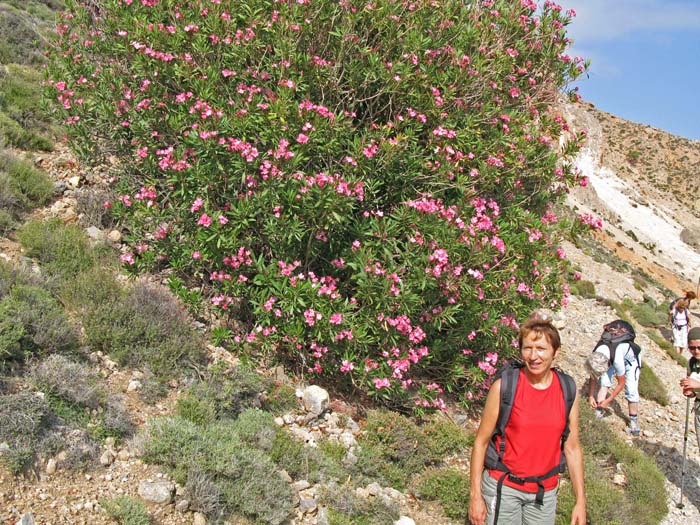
509 376
615 333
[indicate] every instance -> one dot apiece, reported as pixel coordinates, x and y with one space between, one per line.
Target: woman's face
537 353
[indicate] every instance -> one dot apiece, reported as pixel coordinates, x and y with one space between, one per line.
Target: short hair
542 325
682 304
690 295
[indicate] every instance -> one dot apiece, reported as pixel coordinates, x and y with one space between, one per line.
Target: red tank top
533 433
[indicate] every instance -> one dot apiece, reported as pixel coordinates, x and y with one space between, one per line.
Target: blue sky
645 60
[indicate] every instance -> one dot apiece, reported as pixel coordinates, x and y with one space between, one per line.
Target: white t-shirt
696 377
624 353
680 319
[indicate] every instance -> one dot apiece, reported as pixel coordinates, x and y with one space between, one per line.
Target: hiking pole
685 448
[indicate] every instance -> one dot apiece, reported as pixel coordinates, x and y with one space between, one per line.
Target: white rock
107 458
308 505
134 386
95 234
374 488
114 236
74 182
301 485
199 519
27 519
347 439
404 520
315 399
51 466
157 491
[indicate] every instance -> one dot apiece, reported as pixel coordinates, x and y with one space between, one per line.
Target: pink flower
204 220
127 258
196 205
302 139
347 366
311 316
381 383
222 219
196 255
336 318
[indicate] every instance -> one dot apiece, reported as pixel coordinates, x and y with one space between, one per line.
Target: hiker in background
688 295
522 442
680 321
691 383
624 360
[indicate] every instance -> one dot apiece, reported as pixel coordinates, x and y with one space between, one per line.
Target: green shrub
143 327
12 134
648 313
448 486
198 410
91 209
225 394
33 322
281 399
20 97
114 421
203 493
345 508
582 288
64 251
34 185
292 456
7 222
126 510
667 347
24 418
256 428
92 288
606 503
393 133
20 37
244 480
651 387
393 448
443 438
74 382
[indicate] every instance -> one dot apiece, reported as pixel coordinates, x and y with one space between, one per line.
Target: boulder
315 400
157 491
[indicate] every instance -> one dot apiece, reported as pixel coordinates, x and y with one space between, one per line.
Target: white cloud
609 19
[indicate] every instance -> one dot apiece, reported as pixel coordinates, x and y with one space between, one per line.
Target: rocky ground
59 497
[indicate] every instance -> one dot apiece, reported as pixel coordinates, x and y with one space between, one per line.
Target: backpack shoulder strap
693 365
509 383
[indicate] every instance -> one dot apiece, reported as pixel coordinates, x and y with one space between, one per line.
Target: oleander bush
367 189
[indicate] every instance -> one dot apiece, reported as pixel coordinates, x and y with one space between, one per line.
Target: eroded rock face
691 236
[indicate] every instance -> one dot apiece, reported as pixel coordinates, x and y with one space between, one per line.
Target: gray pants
518 507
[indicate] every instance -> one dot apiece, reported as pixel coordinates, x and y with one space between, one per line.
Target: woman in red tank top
525 492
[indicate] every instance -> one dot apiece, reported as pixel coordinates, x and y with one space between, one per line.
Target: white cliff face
656 219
